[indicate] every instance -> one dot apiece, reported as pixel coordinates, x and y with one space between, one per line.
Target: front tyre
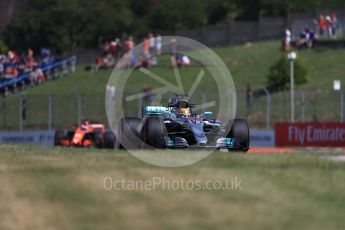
154 132
59 137
98 139
240 132
109 140
129 135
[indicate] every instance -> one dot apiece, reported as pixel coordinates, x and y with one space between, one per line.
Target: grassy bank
248 63
63 189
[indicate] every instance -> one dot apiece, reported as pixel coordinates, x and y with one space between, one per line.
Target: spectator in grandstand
46 57
30 60
146 42
322 25
129 44
287 39
303 39
2 57
105 48
108 60
182 60
98 64
143 62
119 49
112 48
158 44
311 39
334 21
11 72
128 59
316 26
152 43
37 75
329 26
22 66
12 66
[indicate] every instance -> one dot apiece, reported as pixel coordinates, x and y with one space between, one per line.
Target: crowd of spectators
13 66
328 25
325 27
306 39
111 52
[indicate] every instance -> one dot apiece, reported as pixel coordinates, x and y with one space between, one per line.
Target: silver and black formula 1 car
176 126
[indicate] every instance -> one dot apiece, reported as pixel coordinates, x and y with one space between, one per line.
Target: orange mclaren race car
88 134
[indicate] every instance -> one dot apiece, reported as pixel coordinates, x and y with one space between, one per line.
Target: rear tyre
109 140
58 137
154 132
129 135
98 139
240 131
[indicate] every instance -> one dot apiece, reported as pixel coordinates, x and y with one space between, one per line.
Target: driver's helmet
85 122
185 111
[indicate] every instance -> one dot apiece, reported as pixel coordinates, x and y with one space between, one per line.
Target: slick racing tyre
240 131
109 140
59 136
98 139
130 137
154 132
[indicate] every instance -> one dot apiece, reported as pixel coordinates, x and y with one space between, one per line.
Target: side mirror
208 113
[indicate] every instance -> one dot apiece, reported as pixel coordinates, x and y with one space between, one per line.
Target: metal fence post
74 60
21 113
3 109
50 112
48 77
341 106
79 101
302 105
64 69
268 109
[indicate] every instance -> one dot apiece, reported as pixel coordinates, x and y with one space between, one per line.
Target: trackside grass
63 188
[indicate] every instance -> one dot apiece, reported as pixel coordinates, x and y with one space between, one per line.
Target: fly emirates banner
310 134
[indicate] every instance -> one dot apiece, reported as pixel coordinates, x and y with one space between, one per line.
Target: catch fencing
34 112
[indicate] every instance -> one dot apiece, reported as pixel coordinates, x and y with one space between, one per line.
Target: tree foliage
279 75
67 24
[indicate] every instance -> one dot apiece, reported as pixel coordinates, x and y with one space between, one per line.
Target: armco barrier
43 138
310 134
262 138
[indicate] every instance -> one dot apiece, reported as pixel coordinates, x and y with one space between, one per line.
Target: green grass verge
63 189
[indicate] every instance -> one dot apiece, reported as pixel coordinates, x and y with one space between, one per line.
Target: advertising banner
310 134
